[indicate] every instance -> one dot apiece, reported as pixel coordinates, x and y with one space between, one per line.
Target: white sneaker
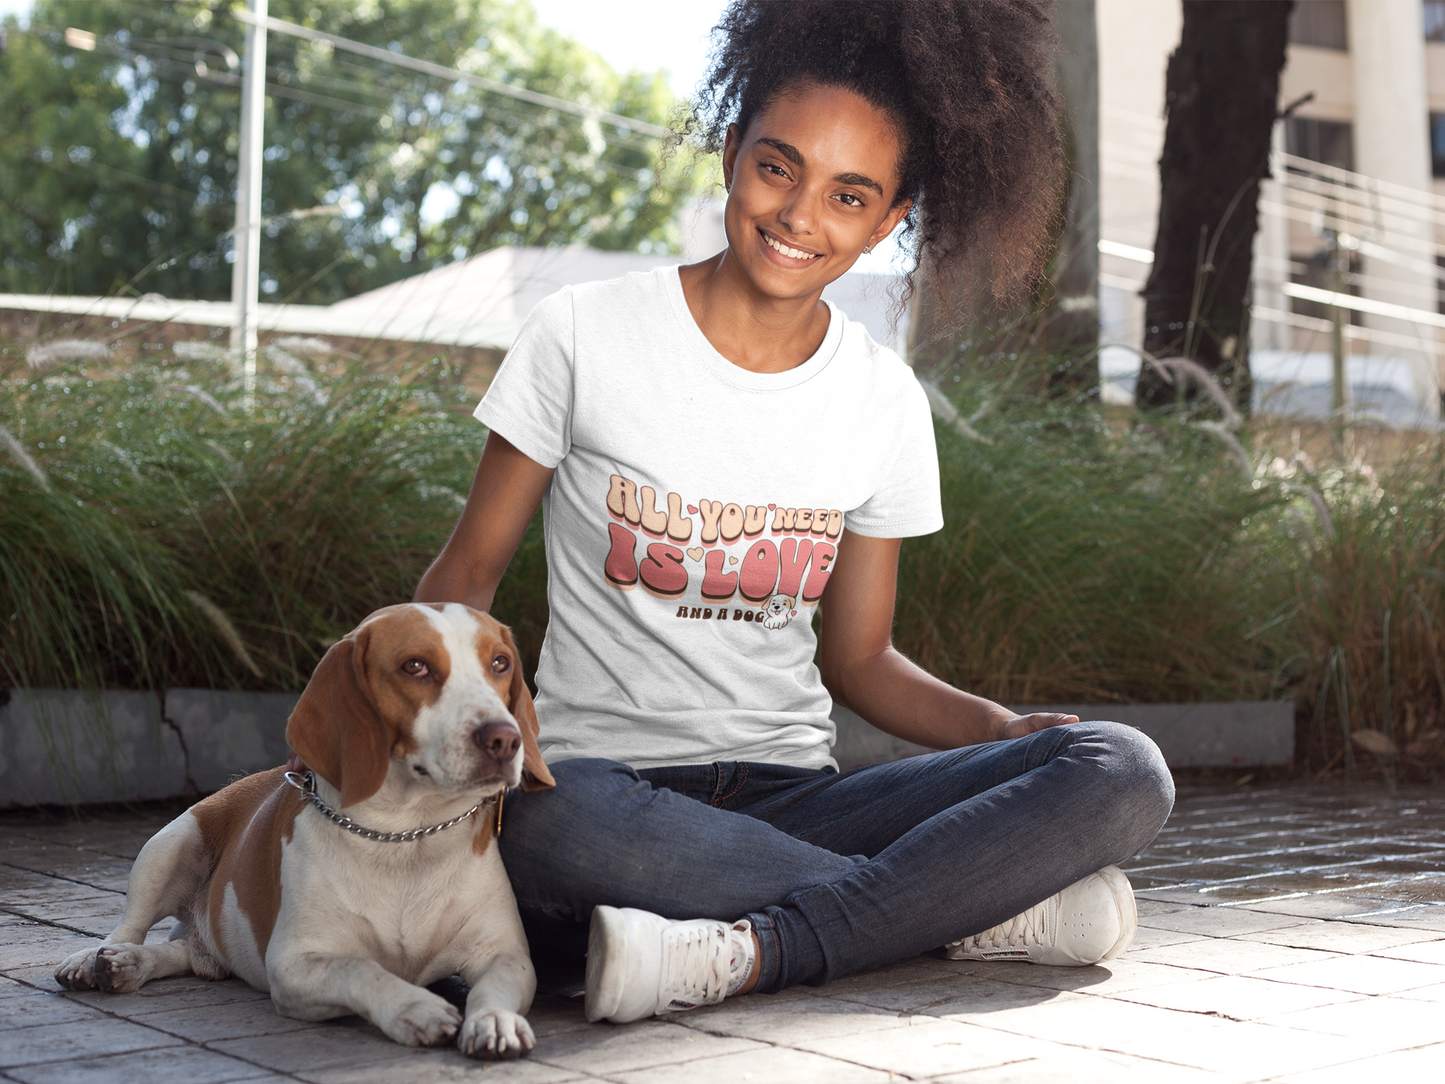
1093 919
640 964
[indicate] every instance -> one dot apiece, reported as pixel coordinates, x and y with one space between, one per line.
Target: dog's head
779 605
437 687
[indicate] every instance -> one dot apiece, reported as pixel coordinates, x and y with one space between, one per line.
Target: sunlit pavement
1287 933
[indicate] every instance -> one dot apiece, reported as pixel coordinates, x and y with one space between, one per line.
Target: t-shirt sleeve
530 399
907 500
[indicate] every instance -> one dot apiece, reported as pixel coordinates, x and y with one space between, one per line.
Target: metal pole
1340 384
1340 396
246 272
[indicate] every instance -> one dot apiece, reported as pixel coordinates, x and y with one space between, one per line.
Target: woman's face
810 184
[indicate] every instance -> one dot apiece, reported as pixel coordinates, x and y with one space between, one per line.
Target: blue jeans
836 871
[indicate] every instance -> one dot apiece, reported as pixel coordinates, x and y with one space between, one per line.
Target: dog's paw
120 969
422 1020
496 1033
77 971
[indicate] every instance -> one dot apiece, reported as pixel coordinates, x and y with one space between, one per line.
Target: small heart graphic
792 613
695 553
771 507
732 560
692 508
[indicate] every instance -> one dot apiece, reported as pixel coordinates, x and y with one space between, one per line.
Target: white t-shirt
693 518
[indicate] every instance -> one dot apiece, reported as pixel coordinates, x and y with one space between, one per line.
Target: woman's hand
1021 725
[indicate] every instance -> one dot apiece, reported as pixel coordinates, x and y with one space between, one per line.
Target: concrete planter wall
64 746
1237 734
228 733
1225 734
60 747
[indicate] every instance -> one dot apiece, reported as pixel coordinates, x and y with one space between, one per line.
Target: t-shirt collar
736 375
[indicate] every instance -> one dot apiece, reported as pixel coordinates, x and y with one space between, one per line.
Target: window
1321 23
1435 20
1437 144
1327 141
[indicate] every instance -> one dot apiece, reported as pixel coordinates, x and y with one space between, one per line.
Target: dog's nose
497 740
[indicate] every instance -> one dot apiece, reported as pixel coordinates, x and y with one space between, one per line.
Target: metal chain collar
306 784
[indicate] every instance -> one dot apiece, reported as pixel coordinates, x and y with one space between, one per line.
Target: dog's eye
415 668
501 664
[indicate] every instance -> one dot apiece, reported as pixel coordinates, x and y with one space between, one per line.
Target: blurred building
1362 161
471 310
485 298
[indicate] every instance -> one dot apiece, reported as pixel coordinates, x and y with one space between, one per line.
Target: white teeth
786 251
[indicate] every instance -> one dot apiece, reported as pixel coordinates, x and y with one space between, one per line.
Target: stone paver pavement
1286 934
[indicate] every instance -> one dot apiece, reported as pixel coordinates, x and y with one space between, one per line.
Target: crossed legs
836 872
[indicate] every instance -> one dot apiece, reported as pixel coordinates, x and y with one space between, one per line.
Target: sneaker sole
1123 891
1125 908
606 963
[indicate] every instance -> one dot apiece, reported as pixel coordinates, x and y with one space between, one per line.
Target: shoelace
1017 932
697 966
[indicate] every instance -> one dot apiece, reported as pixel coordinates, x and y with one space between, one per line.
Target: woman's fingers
1041 719
1027 724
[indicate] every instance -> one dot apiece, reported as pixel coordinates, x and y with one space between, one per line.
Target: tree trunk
1220 97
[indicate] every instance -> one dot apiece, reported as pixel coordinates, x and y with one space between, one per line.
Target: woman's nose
798 214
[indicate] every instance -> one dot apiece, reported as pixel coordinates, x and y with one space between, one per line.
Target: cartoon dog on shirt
779 611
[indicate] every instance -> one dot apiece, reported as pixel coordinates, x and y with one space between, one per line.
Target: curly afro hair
969 84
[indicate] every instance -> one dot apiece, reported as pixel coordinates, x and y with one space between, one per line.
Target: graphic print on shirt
750 555
778 612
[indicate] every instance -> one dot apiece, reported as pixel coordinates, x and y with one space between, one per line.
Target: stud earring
867 249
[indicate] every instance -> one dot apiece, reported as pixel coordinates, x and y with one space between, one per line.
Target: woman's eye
850 200
415 668
775 170
501 664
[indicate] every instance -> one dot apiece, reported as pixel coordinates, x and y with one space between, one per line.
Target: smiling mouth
788 250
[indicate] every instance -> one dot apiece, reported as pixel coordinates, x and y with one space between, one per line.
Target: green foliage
1085 558
125 157
1083 565
1367 610
56 113
165 501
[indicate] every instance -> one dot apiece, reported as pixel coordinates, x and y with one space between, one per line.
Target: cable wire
401 60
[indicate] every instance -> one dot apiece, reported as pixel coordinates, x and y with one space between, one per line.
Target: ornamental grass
159 526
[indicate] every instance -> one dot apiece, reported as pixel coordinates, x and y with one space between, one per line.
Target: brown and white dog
414 718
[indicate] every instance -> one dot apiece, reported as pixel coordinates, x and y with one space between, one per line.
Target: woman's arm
505 494
864 672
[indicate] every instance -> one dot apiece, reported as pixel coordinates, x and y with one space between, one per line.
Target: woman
717 451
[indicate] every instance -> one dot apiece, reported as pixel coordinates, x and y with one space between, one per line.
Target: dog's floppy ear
535 775
336 728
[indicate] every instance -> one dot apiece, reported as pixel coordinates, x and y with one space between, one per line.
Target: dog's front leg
502 989
318 986
169 870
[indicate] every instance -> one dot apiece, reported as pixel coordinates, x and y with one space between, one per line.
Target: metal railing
1365 254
